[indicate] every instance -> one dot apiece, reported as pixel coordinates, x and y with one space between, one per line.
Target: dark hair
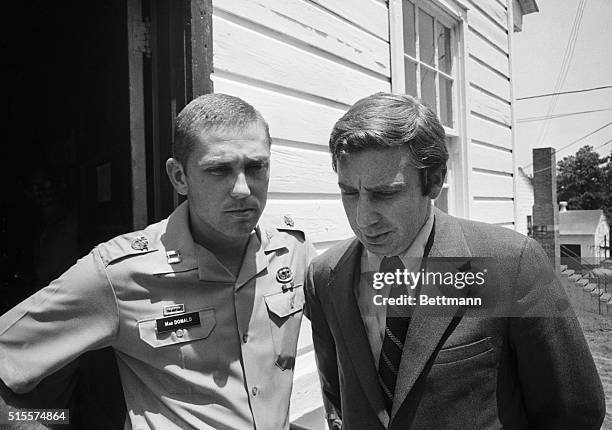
211 112
385 120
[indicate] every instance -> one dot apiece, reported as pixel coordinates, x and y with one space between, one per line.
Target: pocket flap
463 352
148 332
286 303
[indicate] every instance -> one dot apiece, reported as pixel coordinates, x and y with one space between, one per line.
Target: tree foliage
584 180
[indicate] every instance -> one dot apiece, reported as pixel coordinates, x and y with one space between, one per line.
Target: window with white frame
428 60
425 54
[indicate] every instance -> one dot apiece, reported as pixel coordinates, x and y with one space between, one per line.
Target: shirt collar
194 256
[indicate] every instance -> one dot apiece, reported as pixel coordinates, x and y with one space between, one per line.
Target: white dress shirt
374 316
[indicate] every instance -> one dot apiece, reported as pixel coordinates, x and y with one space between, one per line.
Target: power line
603 144
567 59
560 115
564 92
585 136
550 167
577 140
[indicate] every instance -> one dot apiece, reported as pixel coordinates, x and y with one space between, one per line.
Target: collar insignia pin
140 244
288 221
173 257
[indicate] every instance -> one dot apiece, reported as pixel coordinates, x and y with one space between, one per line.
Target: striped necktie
396 327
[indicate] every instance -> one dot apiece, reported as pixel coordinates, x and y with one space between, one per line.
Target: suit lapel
342 281
425 331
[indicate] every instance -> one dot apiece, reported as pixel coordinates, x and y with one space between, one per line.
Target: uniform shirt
232 370
374 316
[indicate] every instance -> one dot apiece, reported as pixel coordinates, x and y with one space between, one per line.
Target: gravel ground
598 332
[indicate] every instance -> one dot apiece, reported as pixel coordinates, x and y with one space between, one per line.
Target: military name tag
179 321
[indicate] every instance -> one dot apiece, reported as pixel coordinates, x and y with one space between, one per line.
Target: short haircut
212 113
385 120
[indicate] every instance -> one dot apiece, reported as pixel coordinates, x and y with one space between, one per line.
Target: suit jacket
460 371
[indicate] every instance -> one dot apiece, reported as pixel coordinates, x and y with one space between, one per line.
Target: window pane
410 69
426 38
409 37
428 87
444 52
446 101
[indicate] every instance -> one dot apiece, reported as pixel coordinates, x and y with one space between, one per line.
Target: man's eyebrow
344 186
214 163
386 187
258 159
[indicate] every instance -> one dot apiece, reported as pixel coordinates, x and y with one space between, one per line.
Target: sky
538 58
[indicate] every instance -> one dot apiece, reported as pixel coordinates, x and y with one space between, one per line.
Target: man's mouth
376 238
241 212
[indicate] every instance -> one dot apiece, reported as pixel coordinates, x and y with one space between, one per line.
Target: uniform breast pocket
285 310
184 328
168 357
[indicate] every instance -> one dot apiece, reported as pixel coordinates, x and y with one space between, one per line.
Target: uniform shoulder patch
127 245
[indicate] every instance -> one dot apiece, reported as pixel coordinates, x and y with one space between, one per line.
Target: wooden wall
490 113
302 63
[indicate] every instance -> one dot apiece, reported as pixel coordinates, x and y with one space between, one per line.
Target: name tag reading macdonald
175 322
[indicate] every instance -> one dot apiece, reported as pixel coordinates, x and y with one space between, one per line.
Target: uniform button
254 391
245 338
180 332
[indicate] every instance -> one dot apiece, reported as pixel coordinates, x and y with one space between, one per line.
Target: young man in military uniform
202 309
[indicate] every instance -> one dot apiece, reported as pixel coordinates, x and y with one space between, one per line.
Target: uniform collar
177 237
271 239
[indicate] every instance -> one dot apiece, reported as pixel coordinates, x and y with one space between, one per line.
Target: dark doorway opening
66 148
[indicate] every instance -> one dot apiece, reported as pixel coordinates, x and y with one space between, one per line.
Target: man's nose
366 212
241 188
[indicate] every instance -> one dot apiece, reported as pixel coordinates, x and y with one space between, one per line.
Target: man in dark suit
517 359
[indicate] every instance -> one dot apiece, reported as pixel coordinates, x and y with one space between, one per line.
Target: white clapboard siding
485 131
307 24
290 117
490 119
302 169
302 63
483 76
486 184
492 158
323 220
243 51
502 3
493 211
486 52
493 10
371 15
489 29
490 107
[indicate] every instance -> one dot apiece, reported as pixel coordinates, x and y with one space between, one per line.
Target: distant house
524 201
583 233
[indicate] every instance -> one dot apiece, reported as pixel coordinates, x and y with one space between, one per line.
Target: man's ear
176 173
432 180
